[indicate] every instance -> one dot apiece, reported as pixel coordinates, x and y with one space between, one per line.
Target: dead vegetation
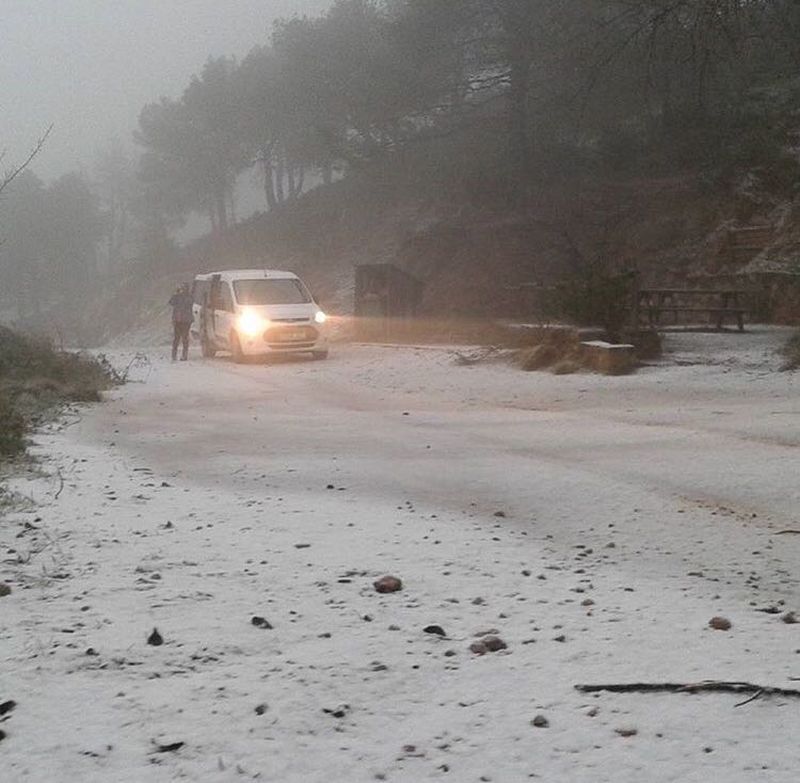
35 378
791 353
565 351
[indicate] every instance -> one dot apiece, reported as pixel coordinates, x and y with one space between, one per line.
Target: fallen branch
788 533
60 484
759 692
691 687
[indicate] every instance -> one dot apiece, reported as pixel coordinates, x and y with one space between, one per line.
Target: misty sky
89 66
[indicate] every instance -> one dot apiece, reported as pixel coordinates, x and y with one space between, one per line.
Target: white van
252 312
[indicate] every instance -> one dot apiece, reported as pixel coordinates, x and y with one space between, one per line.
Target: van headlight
320 317
251 324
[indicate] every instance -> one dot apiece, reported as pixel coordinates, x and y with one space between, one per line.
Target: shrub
12 428
595 296
791 353
34 376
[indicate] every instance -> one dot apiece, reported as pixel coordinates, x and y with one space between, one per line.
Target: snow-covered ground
595 524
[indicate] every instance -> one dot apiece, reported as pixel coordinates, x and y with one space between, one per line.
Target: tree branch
15 172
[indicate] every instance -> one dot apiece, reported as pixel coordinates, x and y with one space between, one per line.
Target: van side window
225 298
199 290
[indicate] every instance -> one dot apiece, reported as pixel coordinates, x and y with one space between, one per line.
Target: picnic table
718 303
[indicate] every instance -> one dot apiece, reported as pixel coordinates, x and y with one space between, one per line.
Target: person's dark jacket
181 303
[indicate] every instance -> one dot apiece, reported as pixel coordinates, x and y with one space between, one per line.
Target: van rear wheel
207 350
236 349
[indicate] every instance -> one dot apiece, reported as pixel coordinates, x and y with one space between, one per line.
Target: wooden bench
718 304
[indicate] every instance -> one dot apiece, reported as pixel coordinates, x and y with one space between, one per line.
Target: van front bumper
285 338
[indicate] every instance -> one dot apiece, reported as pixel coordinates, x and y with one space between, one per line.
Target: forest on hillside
486 103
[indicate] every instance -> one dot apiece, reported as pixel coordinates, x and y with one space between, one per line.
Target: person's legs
185 341
176 338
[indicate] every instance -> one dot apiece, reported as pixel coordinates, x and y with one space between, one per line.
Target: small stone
478 601
790 618
302 546
500 514
261 622
387 584
587 602
593 712
560 638
155 639
479 648
627 731
720 623
450 653
260 709
540 722
337 712
7 706
4 589
91 651
437 630
494 643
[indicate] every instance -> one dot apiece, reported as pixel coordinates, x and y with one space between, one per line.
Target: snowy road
596 524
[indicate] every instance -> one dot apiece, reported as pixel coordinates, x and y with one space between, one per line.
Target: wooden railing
652 304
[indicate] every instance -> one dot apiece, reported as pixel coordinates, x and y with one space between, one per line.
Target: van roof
248 274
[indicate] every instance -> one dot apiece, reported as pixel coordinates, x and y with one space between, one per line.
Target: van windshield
270 292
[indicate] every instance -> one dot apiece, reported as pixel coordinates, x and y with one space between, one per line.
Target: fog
88 66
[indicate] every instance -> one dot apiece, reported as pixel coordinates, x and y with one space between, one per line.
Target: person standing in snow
181 303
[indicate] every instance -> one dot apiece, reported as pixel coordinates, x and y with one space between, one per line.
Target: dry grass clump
566 367
791 353
12 427
34 377
539 357
558 351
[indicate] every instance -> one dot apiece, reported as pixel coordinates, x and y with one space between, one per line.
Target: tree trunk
280 171
297 181
519 117
269 182
221 209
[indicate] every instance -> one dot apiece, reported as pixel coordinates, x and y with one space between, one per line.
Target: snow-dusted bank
594 524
